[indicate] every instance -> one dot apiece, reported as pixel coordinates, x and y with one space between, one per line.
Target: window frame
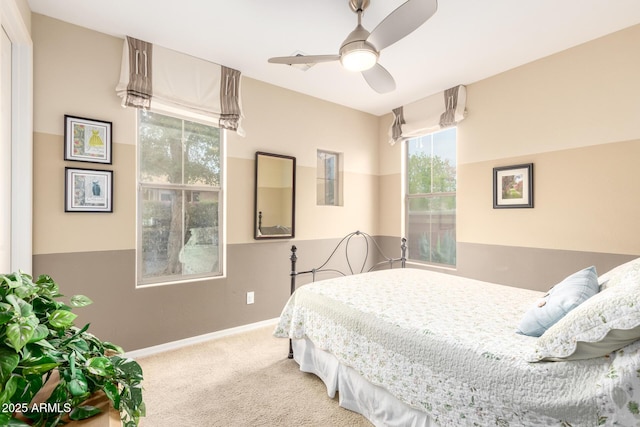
337 186
142 282
408 197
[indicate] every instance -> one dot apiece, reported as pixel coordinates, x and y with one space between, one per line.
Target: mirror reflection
275 196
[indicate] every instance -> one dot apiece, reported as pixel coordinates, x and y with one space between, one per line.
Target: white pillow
604 323
628 272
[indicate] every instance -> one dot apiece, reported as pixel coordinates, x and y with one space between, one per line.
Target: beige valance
428 115
152 74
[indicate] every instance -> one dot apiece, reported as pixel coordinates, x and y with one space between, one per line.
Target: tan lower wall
529 268
139 318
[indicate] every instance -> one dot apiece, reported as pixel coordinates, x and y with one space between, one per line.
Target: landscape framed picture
88 190
513 186
87 140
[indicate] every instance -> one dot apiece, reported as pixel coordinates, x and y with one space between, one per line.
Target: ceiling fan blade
401 22
379 79
303 59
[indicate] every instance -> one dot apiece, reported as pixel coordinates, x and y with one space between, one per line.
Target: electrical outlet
250 297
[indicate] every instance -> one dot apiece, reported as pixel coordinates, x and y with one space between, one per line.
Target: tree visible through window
431 197
179 198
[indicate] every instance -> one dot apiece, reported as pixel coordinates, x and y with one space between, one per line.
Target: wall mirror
275 196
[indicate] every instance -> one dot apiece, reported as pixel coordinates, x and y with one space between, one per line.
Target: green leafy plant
38 339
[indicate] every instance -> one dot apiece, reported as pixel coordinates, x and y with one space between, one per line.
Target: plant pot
109 417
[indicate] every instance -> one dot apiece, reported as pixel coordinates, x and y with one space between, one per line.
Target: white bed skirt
354 392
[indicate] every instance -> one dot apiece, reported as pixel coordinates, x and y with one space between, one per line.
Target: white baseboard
198 339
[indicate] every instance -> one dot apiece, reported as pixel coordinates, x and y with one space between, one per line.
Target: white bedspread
447 345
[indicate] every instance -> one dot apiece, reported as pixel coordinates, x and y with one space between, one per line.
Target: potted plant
40 348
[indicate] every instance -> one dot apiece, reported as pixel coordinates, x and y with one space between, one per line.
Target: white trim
222 211
173 345
5 153
21 136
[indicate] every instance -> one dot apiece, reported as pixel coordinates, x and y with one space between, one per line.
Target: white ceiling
465 41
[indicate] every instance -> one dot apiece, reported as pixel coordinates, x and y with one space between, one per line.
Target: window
329 184
430 202
179 197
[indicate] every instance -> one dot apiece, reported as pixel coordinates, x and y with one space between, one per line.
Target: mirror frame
256 217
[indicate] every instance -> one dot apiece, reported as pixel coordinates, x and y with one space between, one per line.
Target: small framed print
87 140
513 186
88 190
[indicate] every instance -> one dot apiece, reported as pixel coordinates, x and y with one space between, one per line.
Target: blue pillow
561 299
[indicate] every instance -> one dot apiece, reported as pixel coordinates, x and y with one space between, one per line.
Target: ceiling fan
361 49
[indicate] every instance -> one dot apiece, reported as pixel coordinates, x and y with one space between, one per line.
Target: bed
411 347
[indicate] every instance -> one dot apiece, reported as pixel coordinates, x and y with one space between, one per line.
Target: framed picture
513 186
88 190
87 140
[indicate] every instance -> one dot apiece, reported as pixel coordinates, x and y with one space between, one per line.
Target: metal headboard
345 242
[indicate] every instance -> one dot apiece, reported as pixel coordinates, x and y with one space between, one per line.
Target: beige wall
585 200
391 221
574 115
82 80
75 72
285 122
587 95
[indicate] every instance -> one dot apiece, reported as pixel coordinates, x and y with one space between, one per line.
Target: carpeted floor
240 380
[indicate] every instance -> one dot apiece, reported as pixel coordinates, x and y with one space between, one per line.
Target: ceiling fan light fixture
361 49
358 56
